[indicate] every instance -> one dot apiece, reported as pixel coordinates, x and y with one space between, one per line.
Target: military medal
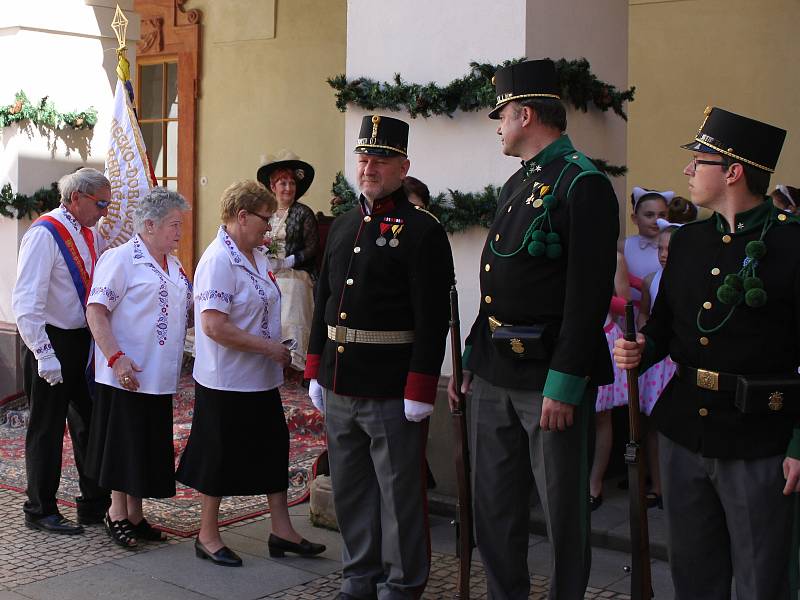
394 242
381 241
396 229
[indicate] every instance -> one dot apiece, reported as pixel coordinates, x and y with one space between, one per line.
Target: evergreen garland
455 210
44 114
474 91
22 206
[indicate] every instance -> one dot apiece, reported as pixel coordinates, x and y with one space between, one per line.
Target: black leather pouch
522 342
768 395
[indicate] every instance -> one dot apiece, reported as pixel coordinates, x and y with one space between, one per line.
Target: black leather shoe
278 547
595 501
90 518
54 524
224 557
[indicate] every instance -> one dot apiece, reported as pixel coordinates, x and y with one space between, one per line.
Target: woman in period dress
293 246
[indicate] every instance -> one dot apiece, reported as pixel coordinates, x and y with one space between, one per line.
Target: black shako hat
383 136
741 138
529 79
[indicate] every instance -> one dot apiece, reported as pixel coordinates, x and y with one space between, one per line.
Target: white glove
288 262
417 411
50 370
315 393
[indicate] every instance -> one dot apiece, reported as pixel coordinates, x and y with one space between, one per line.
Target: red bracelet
114 358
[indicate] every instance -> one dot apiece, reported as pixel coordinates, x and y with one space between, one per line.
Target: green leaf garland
21 206
474 91
44 114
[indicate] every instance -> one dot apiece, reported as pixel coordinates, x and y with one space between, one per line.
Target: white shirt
44 292
226 281
149 312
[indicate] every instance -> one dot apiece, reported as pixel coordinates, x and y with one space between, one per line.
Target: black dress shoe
595 501
90 518
278 547
224 557
54 524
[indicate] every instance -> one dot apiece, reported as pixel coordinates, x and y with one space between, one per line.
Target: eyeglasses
697 161
262 217
101 204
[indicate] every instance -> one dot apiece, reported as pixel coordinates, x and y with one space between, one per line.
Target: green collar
557 149
745 221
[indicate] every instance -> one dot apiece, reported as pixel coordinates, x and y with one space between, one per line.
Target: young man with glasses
54 275
728 313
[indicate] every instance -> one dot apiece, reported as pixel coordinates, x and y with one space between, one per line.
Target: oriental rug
179 515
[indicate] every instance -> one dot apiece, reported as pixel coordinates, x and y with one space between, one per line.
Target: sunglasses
101 204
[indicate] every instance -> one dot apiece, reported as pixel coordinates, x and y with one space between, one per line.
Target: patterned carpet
179 515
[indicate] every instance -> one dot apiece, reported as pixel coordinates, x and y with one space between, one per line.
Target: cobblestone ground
30 555
441 585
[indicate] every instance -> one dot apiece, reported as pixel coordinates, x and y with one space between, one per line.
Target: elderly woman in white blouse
239 444
138 311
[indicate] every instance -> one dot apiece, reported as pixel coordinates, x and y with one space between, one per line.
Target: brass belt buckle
708 380
494 324
341 334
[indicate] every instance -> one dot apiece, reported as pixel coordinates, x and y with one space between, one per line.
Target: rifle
464 542
641 587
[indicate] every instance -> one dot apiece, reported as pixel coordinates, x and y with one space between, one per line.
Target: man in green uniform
728 313
536 352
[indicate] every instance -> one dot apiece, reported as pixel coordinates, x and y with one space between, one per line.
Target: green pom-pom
755 249
553 250
755 298
538 236
728 294
552 238
734 280
753 283
549 201
536 249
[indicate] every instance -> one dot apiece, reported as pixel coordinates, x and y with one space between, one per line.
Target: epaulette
427 212
586 166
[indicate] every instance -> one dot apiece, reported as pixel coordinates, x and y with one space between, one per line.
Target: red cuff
618 306
419 387
635 282
312 366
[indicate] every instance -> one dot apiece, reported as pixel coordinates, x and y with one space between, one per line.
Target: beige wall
263 89
687 54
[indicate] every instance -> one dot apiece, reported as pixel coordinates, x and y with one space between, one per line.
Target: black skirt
238 446
130 443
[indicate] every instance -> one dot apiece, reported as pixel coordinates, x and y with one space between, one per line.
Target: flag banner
127 168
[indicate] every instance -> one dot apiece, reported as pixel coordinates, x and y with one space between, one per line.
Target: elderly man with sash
56 262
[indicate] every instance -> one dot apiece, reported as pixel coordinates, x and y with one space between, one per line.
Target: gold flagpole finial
120 26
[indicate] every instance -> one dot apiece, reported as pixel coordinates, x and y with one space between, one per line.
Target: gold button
782 217
707 305
715 271
343 315
488 299
703 412
726 239
704 341
487 267
349 282
537 203
367 219
357 249
340 349
497 238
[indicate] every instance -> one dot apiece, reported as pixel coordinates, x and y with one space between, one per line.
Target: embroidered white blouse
226 281
149 313
44 292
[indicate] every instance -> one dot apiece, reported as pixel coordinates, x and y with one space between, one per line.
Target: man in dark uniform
728 313
376 347
536 352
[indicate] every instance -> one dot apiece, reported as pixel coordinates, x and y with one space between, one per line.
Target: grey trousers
726 518
377 459
509 452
